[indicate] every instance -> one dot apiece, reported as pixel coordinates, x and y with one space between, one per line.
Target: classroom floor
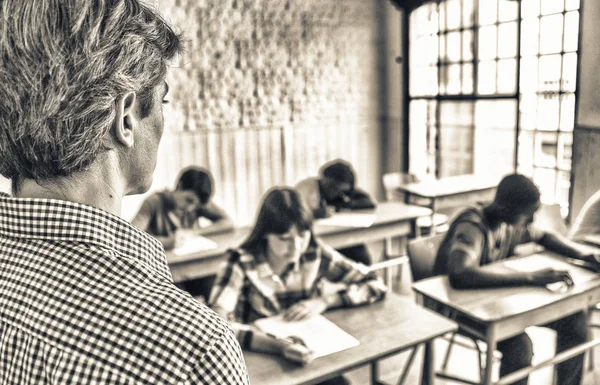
463 361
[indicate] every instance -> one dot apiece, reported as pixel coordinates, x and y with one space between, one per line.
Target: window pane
423 80
488 11
507 40
442 16
571 31
442 43
443 79
467 11
565 150
453 14
456 138
551 34
453 46
528 107
571 5
486 77
453 86
529 37
552 6
494 136
507 76
487 42
467 75
547 112
545 149
526 142
529 75
546 181
422 137
530 8
508 10
467 48
549 76
569 72
563 186
567 112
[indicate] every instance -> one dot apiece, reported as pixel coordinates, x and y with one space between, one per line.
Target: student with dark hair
163 213
482 235
280 269
333 191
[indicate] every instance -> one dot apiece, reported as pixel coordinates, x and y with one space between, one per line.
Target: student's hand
329 211
549 275
298 352
305 309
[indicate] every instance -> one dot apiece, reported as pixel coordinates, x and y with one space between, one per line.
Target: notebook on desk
319 334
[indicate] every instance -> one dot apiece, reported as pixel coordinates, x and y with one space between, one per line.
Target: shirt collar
57 220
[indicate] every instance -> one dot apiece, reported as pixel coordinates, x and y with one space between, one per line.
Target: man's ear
126 119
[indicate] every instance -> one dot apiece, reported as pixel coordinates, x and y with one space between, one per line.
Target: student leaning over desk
281 269
482 235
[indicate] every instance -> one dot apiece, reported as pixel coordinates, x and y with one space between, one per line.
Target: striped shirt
247 289
86 298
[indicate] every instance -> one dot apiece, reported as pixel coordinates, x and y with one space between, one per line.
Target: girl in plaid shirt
282 268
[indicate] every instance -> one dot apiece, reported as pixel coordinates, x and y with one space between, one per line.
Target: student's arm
362 286
221 222
464 271
145 215
557 243
227 295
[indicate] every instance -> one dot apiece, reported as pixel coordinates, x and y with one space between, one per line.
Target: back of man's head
63 65
340 171
516 193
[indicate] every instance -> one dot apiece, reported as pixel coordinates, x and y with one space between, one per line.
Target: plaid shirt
86 298
247 289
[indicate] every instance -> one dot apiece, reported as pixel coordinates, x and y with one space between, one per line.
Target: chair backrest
392 180
422 253
549 217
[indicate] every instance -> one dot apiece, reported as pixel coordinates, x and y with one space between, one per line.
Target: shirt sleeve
468 239
223 364
212 211
227 290
362 286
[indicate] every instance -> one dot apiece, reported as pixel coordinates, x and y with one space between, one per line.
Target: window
492 90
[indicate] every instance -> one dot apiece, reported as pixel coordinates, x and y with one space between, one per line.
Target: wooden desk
385 328
450 192
393 219
496 314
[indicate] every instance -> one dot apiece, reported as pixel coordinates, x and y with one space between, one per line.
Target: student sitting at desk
482 235
281 269
163 213
335 191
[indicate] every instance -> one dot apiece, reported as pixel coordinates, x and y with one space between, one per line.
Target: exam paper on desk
349 220
322 336
194 245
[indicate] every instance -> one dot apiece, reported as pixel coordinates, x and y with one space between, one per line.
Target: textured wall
270 89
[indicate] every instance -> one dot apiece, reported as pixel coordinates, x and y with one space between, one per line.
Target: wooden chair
422 254
391 182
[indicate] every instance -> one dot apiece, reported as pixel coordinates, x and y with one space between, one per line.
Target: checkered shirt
247 289
86 298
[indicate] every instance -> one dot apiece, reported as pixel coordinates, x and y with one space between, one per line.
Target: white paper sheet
529 264
349 220
194 245
322 336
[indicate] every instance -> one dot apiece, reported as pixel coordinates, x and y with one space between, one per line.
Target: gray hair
63 65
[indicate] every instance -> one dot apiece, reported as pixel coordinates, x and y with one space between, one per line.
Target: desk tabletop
453 185
384 328
492 305
385 213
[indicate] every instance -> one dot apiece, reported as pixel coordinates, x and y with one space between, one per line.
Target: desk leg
432 232
389 272
427 372
375 373
489 358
